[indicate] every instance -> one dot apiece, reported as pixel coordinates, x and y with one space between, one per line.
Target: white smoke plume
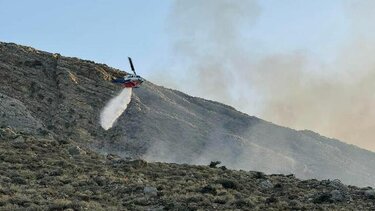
211 42
114 108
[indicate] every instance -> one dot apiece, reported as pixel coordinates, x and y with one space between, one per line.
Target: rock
68 188
137 164
336 195
7 133
76 150
370 193
150 191
266 184
322 198
14 114
18 140
337 184
113 157
100 180
333 196
139 181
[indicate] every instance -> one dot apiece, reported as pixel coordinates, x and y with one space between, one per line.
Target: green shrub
214 164
209 189
228 184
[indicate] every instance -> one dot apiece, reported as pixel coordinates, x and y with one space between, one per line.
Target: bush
60 204
323 198
228 184
209 189
19 180
259 175
271 199
214 164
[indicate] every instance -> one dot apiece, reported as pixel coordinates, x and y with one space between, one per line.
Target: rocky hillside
38 172
61 98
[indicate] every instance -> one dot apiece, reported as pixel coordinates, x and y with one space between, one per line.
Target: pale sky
109 31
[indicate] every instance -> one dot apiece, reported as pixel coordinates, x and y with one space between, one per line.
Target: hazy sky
109 31
298 63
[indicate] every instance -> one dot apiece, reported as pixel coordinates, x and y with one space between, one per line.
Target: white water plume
114 108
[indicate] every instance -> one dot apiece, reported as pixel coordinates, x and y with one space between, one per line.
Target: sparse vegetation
40 173
49 120
214 164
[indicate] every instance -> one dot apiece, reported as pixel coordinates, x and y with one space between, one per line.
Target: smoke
212 42
114 108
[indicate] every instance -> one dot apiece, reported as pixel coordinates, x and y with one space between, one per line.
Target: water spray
114 108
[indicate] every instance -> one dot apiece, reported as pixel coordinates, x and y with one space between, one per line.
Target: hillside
62 97
38 172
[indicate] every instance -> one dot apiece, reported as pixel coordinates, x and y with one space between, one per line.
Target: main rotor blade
131 65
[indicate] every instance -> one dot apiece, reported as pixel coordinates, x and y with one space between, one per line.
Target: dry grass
39 173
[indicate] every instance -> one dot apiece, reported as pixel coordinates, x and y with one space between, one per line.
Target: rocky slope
62 97
38 172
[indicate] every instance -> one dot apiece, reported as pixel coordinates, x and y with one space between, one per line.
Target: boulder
266 184
336 195
150 191
76 150
370 193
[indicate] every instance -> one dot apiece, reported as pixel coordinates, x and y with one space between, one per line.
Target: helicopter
130 80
